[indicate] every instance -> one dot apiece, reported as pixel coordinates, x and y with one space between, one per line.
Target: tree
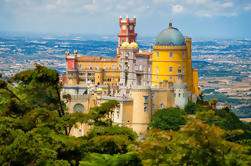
195 143
98 113
228 121
96 159
109 139
166 119
192 108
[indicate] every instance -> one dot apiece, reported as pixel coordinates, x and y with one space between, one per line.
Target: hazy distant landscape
224 65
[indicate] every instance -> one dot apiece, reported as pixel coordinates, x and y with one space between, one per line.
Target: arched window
78 108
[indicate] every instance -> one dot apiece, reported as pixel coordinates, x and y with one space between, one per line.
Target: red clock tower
127 31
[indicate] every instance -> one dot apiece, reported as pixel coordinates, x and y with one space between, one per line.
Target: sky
226 19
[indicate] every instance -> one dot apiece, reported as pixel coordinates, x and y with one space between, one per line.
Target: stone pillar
131 71
122 68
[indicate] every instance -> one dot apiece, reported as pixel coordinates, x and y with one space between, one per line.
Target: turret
71 60
127 31
180 90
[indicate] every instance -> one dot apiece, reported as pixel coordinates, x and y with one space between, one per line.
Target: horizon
93 35
194 18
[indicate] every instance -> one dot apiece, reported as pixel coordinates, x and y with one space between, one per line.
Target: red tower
127 31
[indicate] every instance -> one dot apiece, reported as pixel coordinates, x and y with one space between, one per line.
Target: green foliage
104 110
109 140
166 119
226 120
112 130
96 159
35 130
195 143
192 108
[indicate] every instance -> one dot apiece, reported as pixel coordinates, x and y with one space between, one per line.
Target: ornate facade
141 81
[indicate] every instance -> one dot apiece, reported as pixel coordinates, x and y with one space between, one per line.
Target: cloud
228 4
177 9
247 8
38 9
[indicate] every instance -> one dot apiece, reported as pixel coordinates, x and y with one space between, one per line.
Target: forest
35 129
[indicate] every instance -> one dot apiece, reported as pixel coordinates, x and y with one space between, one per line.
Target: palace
141 81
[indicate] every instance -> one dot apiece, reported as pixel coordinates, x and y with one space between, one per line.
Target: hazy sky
195 18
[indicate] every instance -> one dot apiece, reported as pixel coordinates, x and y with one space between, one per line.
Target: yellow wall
195 81
163 62
128 113
102 72
87 102
140 118
98 64
72 80
99 77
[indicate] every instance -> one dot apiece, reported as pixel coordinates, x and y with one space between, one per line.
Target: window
113 74
80 131
146 99
145 109
112 66
170 54
157 77
157 69
157 55
152 95
161 106
124 27
70 80
104 66
183 69
183 54
170 77
131 27
78 108
89 66
152 106
170 69
96 66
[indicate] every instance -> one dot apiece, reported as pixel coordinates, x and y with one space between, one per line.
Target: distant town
224 65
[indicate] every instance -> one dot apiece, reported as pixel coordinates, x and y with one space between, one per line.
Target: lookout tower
127 31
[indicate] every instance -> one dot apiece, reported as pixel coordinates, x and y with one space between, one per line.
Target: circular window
78 108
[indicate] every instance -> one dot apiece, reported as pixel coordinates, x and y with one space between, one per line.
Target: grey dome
170 37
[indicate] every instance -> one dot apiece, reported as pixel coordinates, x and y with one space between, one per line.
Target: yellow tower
171 52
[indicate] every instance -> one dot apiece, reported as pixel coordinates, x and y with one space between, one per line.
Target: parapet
127 21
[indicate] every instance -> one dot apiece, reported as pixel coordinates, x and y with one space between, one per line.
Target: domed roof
125 44
134 45
170 37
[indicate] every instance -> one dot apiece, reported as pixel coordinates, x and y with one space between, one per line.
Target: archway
78 108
